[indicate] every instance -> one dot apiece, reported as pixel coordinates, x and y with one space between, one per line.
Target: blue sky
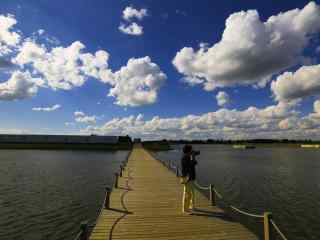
168 27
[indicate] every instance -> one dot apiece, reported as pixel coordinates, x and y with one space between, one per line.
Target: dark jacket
188 167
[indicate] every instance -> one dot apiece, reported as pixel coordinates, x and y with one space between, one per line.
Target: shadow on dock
211 214
119 211
125 188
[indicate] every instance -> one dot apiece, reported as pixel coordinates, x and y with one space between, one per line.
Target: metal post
267 216
84 230
107 199
116 176
120 172
212 195
177 171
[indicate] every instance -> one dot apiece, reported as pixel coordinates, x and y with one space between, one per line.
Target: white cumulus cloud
129 13
288 123
316 106
65 68
61 67
21 85
41 31
83 118
228 124
47 109
30 52
302 83
8 38
131 29
250 50
137 83
92 65
222 98
315 116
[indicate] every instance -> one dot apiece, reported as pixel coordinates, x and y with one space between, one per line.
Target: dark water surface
283 180
46 194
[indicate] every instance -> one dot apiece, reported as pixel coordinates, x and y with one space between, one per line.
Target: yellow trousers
188 196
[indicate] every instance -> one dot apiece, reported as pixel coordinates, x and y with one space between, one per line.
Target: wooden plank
148 205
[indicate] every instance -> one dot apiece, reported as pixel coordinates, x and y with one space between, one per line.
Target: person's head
187 149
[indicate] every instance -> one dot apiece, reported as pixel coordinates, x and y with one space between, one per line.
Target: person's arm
193 160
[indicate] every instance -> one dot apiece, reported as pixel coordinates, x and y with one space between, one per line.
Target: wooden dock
148 205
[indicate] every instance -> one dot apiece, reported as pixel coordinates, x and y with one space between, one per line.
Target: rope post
107 199
126 161
212 195
267 216
116 176
120 172
84 231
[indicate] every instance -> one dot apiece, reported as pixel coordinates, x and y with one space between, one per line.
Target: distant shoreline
167 145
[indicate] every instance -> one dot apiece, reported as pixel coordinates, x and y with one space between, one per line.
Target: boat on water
310 145
242 146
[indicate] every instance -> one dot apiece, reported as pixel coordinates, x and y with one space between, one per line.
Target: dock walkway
147 205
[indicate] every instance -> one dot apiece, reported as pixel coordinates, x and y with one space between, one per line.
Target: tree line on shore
241 141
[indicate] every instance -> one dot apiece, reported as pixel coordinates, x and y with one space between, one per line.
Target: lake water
283 180
46 194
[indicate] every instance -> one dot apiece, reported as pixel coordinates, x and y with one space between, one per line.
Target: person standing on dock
188 173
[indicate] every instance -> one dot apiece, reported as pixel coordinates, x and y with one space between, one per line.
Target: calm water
46 194
285 181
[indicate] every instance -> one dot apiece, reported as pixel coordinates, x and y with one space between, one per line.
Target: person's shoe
187 212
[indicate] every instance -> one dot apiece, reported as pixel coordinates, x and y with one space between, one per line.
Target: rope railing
267 217
77 237
84 232
217 193
278 230
245 213
173 166
201 187
85 227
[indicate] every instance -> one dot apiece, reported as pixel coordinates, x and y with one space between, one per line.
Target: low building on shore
74 142
59 139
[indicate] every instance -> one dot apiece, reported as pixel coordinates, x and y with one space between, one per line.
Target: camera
195 153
